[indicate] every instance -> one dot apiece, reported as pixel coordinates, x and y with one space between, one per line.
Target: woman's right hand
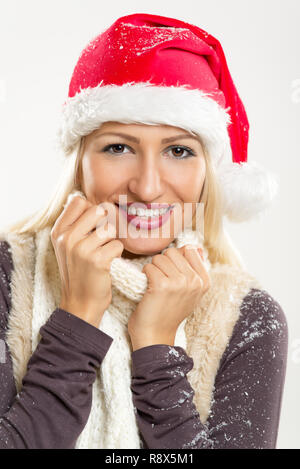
84 259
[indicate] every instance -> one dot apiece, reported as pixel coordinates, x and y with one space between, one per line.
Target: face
152 166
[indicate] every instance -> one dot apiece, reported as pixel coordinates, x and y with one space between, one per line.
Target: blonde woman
127 320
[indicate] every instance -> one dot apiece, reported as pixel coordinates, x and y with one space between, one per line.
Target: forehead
138 129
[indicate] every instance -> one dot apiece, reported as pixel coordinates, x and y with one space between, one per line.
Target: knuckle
65 239
80 250
117 247
148 269
61 239
170 251
121 247
156 258
196 282
163 285
79 200
96 261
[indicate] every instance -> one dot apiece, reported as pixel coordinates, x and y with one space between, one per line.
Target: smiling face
152 165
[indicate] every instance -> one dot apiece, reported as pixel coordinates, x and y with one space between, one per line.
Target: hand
84 259
177 280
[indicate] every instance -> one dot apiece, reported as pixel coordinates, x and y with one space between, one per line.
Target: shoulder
6 267
260 313
6 263
262 327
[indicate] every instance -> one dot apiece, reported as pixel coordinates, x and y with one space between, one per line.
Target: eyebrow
137 140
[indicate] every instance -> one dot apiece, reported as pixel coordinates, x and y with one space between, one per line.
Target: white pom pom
247 189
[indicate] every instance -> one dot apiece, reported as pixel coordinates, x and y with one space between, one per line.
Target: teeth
147 212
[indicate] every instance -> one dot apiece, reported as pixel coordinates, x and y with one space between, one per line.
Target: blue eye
180 147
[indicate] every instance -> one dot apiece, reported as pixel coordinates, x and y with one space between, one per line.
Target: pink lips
147 224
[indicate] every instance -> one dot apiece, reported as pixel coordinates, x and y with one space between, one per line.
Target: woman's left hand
177 280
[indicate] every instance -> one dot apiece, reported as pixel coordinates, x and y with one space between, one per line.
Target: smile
146 218
141 212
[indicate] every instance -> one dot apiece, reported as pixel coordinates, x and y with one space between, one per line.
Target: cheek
99 177
188 180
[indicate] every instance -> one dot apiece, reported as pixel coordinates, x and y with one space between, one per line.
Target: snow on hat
154 70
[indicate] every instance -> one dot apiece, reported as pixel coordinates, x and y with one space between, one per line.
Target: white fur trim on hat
144 103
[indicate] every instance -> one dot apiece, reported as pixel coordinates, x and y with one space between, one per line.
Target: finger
193 257
71 213
92 218
98 238
165 265
180 261
153 273
112 249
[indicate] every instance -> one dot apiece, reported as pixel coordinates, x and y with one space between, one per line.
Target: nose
146 183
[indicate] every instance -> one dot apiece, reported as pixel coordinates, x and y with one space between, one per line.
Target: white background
40 42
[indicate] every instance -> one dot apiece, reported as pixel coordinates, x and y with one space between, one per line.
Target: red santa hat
153 70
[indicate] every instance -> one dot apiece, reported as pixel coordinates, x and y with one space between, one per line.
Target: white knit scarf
112 422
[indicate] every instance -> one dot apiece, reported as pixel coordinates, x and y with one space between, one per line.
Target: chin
144 246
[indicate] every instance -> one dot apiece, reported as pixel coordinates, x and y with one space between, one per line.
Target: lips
147 223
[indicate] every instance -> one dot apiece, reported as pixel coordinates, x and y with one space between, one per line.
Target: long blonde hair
216 239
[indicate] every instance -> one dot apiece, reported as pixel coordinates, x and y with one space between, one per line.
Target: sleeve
54 402
247 394
163 399
249 386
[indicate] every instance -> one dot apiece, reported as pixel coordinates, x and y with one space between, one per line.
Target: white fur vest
35 293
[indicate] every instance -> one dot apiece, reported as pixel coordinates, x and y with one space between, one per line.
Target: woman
158 338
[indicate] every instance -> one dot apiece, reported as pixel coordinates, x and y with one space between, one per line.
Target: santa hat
153 69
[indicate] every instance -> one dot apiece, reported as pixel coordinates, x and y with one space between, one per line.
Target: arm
247 402
165 412
248 387
54 403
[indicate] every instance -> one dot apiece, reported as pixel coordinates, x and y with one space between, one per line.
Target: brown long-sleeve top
54 402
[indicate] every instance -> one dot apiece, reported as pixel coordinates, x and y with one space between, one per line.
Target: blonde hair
216 240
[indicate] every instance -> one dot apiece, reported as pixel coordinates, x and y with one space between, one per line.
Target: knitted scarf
204 334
